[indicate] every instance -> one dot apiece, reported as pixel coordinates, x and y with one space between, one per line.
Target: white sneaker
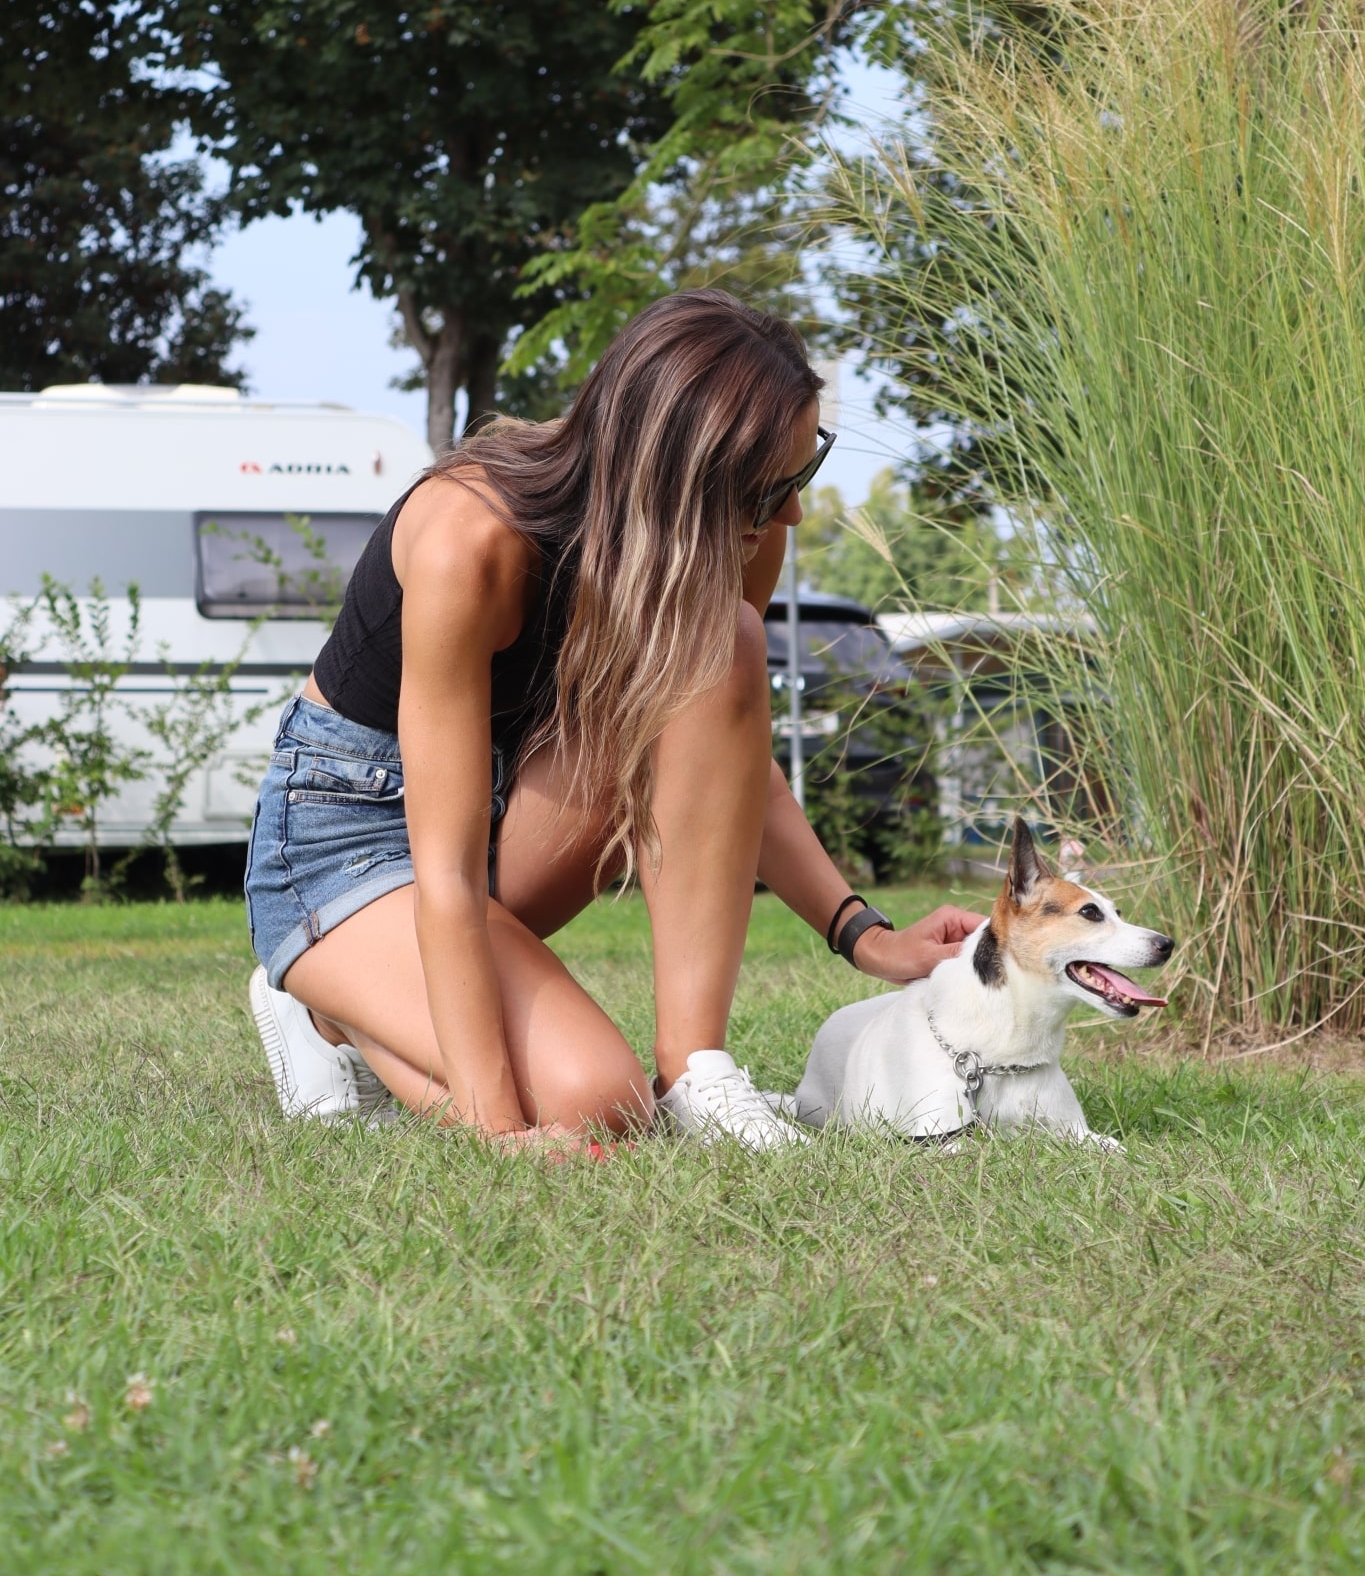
714 1099
313 1077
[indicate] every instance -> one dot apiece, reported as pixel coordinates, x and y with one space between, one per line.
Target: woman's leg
711 777
365 985
364 980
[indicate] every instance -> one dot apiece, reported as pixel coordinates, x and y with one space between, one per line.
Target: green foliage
466 137
89 762
1153 270
901 841
403 1352
928 357
869 786
714 200
96 221
22 786
993 730
868 748
903 547
191 727
67 768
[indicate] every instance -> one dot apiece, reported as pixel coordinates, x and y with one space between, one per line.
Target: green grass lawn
398 1352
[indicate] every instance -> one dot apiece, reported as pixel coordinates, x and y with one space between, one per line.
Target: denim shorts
330 832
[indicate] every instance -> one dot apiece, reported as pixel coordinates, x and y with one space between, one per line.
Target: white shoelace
732 1094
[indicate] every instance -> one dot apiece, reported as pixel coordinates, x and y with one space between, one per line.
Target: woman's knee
610 1092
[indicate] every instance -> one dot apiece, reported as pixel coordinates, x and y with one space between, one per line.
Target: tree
893 244
942 554
466 135
717 198
96 220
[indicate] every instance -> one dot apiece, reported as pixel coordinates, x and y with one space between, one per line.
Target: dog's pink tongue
1127 987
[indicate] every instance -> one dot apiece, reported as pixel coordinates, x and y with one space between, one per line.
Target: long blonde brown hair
644 487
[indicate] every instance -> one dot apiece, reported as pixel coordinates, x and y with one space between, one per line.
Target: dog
980 1040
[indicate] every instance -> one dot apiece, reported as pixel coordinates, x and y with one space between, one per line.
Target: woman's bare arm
792 863
465 578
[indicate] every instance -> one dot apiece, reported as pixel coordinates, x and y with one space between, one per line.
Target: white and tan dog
980 1040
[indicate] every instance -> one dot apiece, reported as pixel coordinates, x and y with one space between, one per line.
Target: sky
319 338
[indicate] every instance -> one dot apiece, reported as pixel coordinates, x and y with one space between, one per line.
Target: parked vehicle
860 719
221 509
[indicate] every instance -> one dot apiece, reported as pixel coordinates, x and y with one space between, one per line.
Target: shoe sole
269 1030
374 1105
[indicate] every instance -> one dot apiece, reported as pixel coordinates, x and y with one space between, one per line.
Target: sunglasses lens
769 506
773 501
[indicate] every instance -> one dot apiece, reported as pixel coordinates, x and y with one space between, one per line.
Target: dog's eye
1092 913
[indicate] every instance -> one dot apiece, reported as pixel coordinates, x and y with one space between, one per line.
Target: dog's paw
791 1110
1110 1146
938 1143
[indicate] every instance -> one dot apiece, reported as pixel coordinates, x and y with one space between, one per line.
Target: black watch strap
853 897
868 918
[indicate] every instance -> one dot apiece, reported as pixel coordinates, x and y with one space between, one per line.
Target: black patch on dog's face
986 960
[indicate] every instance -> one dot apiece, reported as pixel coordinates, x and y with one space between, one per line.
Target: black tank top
360 667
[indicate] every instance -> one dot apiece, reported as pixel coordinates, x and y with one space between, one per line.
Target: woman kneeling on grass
550 671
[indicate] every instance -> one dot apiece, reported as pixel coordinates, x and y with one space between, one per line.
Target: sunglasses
772 499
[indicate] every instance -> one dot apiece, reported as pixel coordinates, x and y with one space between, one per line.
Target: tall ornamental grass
1137 258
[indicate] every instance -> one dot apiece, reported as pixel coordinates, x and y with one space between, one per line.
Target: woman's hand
904 955
554 1141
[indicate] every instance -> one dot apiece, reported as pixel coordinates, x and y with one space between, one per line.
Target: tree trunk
443 360
481 381
445 374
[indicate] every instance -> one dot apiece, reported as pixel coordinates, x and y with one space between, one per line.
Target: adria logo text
293 468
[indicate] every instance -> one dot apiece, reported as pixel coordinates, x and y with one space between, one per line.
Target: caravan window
284 565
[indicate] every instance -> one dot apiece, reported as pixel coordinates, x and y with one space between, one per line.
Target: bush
869 788
69 767
1139 249
22 788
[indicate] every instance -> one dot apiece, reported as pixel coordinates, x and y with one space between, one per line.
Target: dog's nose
1163 946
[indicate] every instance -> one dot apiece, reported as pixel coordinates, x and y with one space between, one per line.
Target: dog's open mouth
1112 987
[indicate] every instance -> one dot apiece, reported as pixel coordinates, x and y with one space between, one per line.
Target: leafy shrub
1134 252
69 766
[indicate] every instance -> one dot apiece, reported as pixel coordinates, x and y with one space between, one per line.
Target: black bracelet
853 897
856 927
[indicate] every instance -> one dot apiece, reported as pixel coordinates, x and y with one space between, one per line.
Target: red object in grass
599 1151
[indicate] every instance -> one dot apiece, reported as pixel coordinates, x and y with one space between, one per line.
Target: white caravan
198 496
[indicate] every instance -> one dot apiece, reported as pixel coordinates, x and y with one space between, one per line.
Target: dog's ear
1026 865
1072 855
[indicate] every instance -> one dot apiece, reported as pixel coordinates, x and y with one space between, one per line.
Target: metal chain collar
970 1068
967 1066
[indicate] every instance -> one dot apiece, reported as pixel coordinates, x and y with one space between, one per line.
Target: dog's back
859 1072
